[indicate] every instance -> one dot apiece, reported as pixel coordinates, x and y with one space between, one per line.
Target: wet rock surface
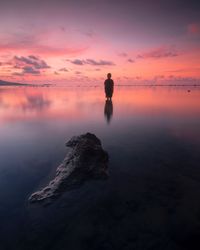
85 160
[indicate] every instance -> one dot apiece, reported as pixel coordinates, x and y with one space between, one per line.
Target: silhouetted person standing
109 87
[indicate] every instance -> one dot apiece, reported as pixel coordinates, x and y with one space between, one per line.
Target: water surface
151 199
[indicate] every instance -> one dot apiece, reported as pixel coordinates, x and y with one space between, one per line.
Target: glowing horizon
138 41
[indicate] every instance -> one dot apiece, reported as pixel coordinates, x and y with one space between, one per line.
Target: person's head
109 75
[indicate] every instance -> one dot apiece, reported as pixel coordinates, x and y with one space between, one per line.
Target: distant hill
5 83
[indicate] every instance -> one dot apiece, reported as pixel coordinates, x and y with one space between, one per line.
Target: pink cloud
92 62
193 28
31 65
50 51
158 53
63 69
36 44
130 60
43 50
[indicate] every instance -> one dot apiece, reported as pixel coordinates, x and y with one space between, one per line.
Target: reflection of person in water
108 110
109 86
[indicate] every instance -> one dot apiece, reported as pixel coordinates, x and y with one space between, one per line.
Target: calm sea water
151 198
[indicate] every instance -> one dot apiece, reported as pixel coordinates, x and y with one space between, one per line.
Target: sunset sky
80 41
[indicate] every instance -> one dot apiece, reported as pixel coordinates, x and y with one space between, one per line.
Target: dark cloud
56 73
92 62
63 70
33 57
158 53
26 70
77 62
28 65
78 73
30 70
31 60
130 60
99 63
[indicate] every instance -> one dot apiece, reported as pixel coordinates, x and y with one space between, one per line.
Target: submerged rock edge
86 159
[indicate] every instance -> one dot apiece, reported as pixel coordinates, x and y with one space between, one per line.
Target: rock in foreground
85 160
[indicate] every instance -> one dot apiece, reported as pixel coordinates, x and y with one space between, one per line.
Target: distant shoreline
8 84
158 85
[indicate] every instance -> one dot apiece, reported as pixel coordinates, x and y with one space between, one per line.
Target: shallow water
151 198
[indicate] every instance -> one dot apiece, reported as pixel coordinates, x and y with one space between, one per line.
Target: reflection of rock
85 160
108 110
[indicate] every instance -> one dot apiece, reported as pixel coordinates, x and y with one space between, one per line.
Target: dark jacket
109 87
